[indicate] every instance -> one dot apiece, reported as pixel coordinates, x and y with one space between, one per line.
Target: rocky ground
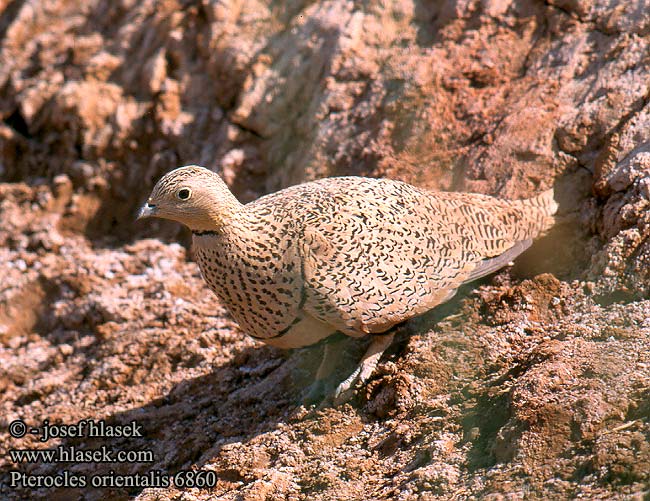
532 384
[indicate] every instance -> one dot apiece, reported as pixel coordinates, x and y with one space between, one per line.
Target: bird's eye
184 193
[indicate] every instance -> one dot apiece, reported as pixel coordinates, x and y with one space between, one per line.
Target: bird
352 255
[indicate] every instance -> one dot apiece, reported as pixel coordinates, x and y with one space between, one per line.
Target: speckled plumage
350 254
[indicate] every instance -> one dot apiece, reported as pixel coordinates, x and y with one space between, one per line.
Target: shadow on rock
190 425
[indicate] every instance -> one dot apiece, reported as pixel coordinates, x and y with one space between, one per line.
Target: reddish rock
537 385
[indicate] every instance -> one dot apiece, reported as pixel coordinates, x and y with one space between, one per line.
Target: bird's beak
147 210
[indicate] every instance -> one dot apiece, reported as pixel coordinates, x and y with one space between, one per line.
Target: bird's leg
365 369
331 356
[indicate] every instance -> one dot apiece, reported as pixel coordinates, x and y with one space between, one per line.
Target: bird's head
192 195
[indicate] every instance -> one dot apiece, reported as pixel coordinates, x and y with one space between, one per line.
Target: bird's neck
217 216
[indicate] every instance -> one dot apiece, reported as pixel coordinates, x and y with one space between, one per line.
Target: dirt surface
532 384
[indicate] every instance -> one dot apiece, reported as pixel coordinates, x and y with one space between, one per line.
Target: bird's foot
345 391
362 373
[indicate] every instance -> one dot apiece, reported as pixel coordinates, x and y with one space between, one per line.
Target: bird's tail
541 209
544 201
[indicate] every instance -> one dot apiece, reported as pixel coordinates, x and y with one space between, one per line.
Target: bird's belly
305 332
270 329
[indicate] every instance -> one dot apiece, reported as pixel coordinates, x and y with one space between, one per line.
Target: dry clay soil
534 383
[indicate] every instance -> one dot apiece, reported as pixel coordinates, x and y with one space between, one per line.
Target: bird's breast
263 295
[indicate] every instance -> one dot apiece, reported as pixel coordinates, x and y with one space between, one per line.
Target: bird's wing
374 261
375 286
490 265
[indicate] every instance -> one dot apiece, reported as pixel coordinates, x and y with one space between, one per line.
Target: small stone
66 349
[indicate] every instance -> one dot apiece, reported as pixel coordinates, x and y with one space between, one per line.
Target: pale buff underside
306 332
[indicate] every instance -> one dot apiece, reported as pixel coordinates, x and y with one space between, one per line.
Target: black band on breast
206 232
281 333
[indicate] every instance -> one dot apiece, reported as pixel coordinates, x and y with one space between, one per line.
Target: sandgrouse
349 254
